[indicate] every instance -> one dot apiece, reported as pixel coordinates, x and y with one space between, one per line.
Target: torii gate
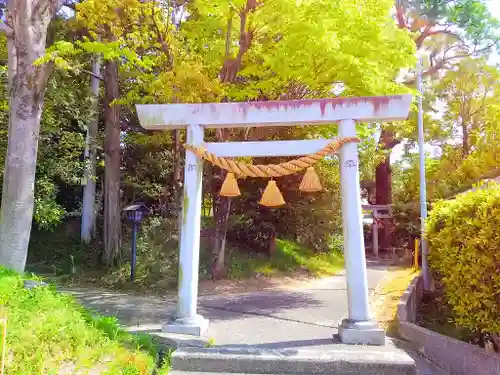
358 328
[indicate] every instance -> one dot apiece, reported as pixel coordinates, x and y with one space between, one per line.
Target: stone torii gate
358 328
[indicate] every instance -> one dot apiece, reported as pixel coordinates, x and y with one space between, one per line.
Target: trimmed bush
464 239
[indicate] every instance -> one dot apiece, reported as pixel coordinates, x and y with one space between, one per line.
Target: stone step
335 359
208 373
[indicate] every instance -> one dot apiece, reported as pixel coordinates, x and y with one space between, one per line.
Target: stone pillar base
361 333
194 326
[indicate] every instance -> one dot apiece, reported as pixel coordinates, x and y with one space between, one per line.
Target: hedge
464 239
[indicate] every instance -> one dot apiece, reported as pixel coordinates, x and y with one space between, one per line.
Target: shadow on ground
146 310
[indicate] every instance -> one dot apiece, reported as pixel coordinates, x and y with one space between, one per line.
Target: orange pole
417 248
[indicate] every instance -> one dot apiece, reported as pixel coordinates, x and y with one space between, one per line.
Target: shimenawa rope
241 169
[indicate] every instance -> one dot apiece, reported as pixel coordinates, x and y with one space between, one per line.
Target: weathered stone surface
456 357
31 284
325 359
410 300
194 326
361 333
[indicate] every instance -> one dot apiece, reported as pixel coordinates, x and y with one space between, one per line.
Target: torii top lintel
274 113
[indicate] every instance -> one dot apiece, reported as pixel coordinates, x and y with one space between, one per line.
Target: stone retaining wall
454 356
410 301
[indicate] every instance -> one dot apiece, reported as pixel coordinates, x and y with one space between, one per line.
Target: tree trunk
383 179
89 190
112 217
495 337
228 73
272 242
221 216
222 208
27 83
465 139
383 185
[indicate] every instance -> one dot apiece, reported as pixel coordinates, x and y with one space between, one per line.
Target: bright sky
495 8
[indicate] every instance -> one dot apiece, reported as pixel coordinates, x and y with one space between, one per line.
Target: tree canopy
244 50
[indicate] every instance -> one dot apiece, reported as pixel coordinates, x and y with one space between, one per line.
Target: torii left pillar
187 320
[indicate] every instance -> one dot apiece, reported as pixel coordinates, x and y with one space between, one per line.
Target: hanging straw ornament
272 196
230 186
310 183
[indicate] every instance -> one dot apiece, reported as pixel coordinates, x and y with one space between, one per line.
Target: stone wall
454 356
410 301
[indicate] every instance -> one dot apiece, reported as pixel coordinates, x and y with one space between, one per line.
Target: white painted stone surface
274 113
267 148
354 246
186 320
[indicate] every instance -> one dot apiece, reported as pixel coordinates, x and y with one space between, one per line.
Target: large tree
445 32
253 49
89 212
247 50
466 92
26 24
465 105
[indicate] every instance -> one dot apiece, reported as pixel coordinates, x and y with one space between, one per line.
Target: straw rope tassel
230 186
272 195
310 182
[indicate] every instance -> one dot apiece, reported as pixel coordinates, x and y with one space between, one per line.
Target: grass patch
288 258
387 296
50 333
58 257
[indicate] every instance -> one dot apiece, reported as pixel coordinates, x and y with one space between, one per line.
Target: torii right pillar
358 328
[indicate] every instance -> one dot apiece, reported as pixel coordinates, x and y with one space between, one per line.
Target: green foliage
465 101
289 257
157 257
463 234
354 42
59 252
49 332
48 214
61 143
312 220
148 163
472 17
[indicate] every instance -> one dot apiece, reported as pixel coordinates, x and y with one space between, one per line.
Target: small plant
210 343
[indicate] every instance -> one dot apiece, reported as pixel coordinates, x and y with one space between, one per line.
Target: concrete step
209 373
334 359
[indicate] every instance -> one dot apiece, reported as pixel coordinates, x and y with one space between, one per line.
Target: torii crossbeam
358 328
